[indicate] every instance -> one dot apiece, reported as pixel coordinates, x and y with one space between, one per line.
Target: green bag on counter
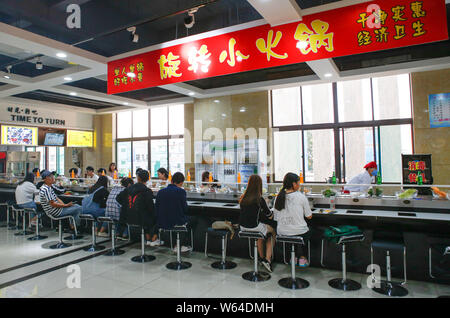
333 233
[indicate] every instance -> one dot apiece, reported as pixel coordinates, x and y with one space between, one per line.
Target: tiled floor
117 276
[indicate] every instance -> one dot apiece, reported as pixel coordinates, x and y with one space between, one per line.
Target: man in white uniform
363 178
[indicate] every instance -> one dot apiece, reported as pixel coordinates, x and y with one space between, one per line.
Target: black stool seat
251 235
114 251
351 238
290 239
176 228
88 217
388 243
292 282
223 234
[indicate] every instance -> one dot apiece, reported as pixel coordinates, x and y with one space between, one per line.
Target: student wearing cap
51 204
363 178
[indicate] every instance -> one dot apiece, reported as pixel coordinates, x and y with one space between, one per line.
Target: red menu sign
366 27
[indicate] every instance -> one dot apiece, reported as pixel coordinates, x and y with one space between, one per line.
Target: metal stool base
177 266
223 265
59 245
23 233
94 248
345 285
143 258
37 238
391 289
73 237
256 276
115 252
290 283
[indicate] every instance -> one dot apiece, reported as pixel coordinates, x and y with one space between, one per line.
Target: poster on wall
77 138
19 136
439 110
412 165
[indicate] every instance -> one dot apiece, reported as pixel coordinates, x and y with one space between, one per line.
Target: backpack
333 233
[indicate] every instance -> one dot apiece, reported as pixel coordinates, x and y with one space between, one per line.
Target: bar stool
444 251
114 251
223 264
388 242
94 247
37 236
143 258
179 264
292 282
343 283
5 224
61 243
10 225
255 275
24 213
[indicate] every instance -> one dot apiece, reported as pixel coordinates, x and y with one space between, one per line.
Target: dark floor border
52 269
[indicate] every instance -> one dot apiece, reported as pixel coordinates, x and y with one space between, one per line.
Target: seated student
95 203
76 172
51 204
290 210
112 169
171 208
163 174
90 173
256 216
114 208
140 207
102 172
35 171
25 192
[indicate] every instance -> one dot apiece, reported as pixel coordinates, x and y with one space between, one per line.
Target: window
286 110
317 102
374 122
164 136
287 152
60 166
52 159
55 156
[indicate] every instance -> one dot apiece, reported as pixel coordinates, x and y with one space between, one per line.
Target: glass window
52 159
124 158
176 120
176 155
358 144
354 100
392 97
394 141
140 123
286 107
61 154
159 121
140 155
159 155
319 154
287 153
124 125
42 160
317 102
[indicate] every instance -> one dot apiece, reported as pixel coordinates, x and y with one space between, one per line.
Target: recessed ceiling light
125 103
130 74
191 94
327 74
224 115
242 109
61 55
7 77
73 94
216 101
67 78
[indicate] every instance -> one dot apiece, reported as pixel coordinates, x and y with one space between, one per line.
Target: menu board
412 164
439 110
19 136
77 138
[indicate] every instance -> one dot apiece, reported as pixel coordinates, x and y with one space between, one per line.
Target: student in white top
290 210
90 173
25 192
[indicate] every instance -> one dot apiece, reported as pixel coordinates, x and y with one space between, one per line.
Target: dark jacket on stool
143 213
171 207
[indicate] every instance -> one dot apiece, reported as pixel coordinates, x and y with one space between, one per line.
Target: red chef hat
371 164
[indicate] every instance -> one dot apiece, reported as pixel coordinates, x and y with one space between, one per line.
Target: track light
39 64
133 36
189 21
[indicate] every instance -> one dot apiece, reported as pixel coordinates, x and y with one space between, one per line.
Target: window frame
338 128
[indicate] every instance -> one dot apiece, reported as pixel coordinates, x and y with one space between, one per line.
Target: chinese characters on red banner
356 29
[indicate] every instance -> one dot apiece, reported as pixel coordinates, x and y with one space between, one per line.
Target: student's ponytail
288 181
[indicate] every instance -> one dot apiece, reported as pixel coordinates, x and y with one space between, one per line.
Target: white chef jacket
362 178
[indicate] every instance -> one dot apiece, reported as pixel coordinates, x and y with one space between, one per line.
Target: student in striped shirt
52 205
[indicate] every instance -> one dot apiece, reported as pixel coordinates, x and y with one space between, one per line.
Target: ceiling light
6 76
67 78
327 74
216 101
242 109
125 103
130 74
61 55
224 115
73 94
189 21
133 36
191 94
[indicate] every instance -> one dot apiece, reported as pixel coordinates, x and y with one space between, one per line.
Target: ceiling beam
326 69
185 89
277 12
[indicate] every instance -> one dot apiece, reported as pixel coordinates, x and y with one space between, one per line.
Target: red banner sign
367 27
